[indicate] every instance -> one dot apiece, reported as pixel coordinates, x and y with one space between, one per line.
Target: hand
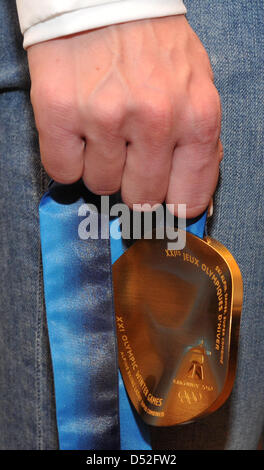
130 106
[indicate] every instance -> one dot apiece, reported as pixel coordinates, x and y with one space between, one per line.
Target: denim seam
39 434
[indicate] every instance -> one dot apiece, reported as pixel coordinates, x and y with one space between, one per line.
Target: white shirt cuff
95 16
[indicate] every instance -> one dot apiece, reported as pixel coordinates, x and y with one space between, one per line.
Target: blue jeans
232 34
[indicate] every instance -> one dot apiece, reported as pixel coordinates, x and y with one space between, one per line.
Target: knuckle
157 117
61 174
194 209
207 131
63 178
51 107
109 116
206 119
102 189
141 202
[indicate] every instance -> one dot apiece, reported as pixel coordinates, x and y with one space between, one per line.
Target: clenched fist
130 106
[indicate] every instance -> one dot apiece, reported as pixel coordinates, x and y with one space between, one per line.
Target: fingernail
221 150
211 208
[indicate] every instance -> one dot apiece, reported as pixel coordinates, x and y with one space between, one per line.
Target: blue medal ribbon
92 406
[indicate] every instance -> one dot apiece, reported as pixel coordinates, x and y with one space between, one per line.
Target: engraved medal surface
177 320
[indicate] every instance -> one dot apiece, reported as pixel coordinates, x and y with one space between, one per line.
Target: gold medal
177 321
